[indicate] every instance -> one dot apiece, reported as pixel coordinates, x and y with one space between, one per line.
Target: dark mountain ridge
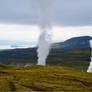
76 42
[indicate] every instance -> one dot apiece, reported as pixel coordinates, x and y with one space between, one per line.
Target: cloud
64 33
19 32
65 12
31 33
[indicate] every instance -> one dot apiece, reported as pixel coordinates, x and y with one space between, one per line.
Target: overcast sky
65 12
68 16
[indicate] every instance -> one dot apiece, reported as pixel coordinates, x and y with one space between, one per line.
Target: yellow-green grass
43 78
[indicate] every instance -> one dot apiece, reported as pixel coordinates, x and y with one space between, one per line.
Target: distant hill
74 52
77 42
41 78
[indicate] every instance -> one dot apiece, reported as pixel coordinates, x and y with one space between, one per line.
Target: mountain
43 78
77 42
61 54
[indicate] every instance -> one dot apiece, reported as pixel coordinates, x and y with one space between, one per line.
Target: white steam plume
45 27
90 67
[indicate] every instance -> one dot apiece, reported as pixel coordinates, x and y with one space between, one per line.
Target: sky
19 19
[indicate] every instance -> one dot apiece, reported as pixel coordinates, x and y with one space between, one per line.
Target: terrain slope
43 78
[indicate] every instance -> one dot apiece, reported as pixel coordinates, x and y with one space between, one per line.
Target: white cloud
31 33
63 33
19 32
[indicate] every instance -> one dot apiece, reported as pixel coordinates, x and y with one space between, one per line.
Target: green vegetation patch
44 78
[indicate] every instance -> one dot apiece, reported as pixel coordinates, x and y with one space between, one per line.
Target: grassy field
41 78
76 58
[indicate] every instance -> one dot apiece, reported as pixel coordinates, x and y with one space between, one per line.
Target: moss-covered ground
43 78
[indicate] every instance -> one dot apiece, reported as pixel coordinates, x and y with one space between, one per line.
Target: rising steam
90 67
45 27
